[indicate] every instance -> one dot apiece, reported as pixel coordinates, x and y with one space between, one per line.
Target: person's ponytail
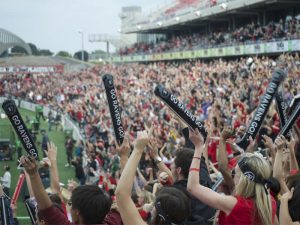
263 205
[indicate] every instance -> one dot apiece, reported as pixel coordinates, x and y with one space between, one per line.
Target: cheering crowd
164 173
253 32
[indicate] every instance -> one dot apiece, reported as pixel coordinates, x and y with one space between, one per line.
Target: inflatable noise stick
281 107
5 211
18 189
261 111
179 108
289 124
114 108
32 210
18 124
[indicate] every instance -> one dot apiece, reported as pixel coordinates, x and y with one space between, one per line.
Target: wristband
194 169
197 157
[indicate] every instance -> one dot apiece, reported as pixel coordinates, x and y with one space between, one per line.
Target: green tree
45 52
64 54
99 51
34 49
78 54
19 50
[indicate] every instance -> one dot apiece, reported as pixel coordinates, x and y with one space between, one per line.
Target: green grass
58 138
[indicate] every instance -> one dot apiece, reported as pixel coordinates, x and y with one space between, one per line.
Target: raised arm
293 160
39 192
127 209
54 177
270 145
204 194
277 166
158 160
223 158
284 215
123 151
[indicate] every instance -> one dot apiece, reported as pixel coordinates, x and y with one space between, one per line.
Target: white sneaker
67 165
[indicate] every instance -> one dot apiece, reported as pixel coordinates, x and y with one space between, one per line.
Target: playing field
58 138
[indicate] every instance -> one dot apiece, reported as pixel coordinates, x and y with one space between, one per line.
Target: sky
54 24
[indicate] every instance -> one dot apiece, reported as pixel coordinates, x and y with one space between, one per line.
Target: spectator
166 199
69 145
6 180
201 213
289 208
89 204
251 195
45 141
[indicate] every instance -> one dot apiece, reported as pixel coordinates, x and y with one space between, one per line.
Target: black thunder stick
179 108
114 108
289 124
277 77
32 211
281 108
293 104
5 212
16 120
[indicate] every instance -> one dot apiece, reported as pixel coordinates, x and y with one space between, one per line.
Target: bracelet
197 157
194 169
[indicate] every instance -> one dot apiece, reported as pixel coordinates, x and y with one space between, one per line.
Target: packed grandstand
222 60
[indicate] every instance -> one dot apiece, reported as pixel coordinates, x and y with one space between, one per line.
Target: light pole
82 45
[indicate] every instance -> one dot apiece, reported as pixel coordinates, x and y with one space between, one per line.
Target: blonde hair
148 197
249 189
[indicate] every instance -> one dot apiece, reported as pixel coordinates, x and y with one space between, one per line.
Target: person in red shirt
251 203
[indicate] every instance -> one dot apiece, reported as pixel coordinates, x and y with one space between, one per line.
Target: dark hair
175 205
294 204
134 197
183 160
274 186
293 180
7 168
92 203
55 199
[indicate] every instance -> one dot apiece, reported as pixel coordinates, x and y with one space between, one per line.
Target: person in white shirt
6 180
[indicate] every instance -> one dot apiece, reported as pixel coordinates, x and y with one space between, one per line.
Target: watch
157 160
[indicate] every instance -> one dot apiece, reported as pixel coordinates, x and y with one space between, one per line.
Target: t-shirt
6 179
243 213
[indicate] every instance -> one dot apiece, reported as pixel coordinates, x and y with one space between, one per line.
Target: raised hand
268 142
287 196
52 151
154 149
280 142
142 140
124 149
30 165
226 133
291 144
195 137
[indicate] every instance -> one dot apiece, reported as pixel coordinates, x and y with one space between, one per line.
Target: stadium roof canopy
9 40
200 14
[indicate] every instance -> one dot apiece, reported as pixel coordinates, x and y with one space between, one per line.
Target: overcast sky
54 24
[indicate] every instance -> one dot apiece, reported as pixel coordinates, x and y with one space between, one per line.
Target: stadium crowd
253 32
169 175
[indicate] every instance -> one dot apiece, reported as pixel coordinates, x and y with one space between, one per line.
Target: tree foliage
78 54
64 54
